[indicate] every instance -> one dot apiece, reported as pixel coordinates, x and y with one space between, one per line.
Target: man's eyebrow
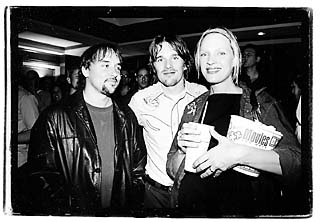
174 54
108 61
104 60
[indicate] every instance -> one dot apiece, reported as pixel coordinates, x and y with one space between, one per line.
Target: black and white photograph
155 111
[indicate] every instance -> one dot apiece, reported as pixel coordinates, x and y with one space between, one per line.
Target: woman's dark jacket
65 163
269 113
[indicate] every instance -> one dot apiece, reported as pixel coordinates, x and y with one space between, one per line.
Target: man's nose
115 72
168 64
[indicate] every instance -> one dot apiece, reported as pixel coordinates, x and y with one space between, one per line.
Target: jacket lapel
194 109
78 104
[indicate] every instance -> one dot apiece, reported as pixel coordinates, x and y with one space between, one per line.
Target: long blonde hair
234 46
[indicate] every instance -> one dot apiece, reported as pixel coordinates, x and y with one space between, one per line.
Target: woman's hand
188 137
220 158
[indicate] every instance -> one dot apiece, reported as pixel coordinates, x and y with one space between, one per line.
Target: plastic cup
192 154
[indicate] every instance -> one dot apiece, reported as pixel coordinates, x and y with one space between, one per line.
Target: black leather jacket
65 164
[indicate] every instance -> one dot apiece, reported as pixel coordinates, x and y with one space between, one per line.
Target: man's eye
221 53
175 57
159 60
203 54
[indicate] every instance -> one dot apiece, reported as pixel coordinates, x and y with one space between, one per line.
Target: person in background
291 100
296 86
28 113
43 93
31 81
129 87
159 109
143 78
125 90
216 189
60 89
87 156
251 60
253 73
126 83
74 79
57 93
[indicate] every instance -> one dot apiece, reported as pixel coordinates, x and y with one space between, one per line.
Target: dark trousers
156 198
157 202
230 194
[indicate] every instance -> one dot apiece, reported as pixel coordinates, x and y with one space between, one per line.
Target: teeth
213 68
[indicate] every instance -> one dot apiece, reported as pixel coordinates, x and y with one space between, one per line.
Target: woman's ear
85 71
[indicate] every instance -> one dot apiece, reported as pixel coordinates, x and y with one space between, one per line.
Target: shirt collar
158 91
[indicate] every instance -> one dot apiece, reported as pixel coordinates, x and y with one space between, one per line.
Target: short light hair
234 46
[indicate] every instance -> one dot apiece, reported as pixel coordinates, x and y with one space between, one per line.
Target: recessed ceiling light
34 49
261 33
46 39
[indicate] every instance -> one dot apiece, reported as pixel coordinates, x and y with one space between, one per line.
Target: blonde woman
215 189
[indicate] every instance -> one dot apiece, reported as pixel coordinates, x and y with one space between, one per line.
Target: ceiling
71 30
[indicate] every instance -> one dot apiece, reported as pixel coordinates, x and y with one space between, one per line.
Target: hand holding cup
194 139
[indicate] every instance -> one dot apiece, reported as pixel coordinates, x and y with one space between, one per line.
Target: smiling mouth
168 72
111 81
213 70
